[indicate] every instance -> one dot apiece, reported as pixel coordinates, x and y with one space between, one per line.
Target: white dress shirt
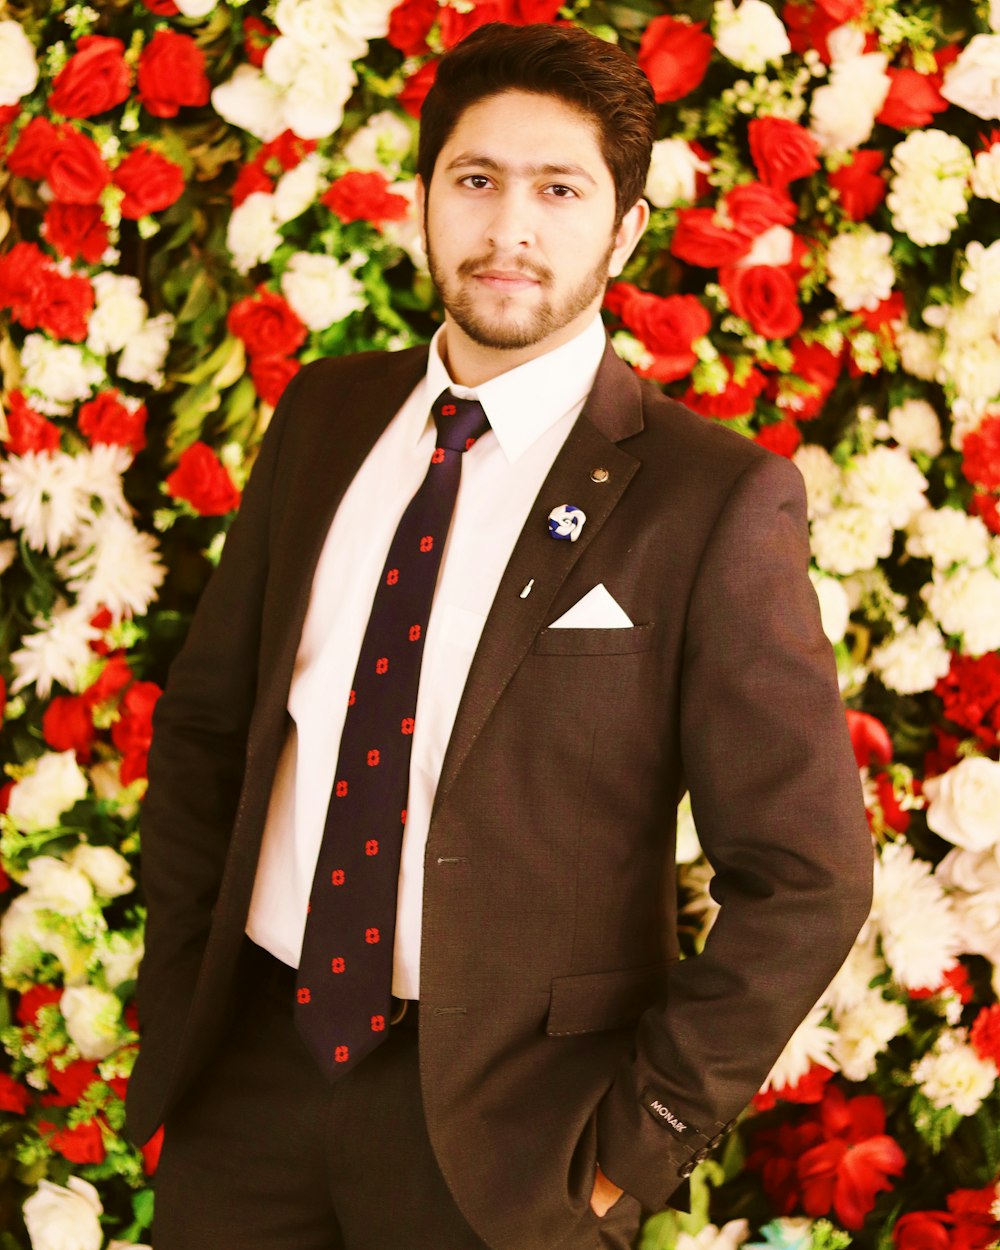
531 409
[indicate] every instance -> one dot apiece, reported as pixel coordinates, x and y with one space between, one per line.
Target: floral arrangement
200 196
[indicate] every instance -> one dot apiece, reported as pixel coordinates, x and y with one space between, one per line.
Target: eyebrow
532 171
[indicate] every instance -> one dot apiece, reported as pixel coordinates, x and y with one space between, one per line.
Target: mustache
539 273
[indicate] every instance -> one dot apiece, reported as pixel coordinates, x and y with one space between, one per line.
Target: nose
510 227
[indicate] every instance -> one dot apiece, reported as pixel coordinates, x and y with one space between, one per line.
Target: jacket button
599 475
686 1169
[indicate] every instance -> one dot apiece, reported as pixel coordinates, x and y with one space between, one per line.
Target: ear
627 236
421 203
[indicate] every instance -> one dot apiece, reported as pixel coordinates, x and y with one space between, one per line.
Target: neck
471 364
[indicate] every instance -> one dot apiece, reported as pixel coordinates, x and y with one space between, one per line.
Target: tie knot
459 421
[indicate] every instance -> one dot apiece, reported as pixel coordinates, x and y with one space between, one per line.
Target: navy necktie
344 980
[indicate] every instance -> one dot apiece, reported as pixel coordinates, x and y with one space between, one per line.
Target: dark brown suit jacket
557 1026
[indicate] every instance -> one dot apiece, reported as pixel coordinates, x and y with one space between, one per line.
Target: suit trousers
264 1153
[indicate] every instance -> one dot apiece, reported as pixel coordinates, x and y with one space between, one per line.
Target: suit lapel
613 412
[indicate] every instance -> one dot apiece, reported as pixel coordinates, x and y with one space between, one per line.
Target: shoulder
359 368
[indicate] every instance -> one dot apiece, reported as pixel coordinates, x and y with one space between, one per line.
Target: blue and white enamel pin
566 522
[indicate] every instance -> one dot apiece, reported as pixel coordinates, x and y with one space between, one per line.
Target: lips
506 279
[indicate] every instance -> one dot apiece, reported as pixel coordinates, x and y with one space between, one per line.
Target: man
621 610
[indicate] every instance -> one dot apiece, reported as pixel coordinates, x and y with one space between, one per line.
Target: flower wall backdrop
198 197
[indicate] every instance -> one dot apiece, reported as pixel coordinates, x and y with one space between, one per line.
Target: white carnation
982 275
18 67
915 919
252 102
382 143
812 1042
861 269
38 800
821 475
852 984
57 652
913 659
948 537
119 312
952 1075
728 1237
321 290
966 604
108 870
914 425
60 1218
863 1034
60 373
931 185
965 804
986 174
970 357
93 1020
113 565
299 188
851 539
144 354
834 606
252 233
673 171
886 480
774 247
751 36
919 352
844 109
973 81
42 498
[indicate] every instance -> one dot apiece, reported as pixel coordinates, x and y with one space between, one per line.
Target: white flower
751 36
845 108
982 275
852 984
113 565
918 928
120 956
986 174
948 537
93 1020
822 477
812 1042
966 604
251 102
672 173
196 8
914 425
57 885
108 870
18 68
919 352
8 550
728 1237
64 1219
834 606
38 800
970 357
965 804
317 83
913 659
861 270
406 233
953 1075
688 845
382 143
105 780
972 880
864 1033
57 652
366 19
774 247
321 290
973 81
60 373
299 188
930 189
886 480
252 233
851 539
311 24
42 498
119 312
144 354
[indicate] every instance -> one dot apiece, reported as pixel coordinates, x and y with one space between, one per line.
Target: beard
521 327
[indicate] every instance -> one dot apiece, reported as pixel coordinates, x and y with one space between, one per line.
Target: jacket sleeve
777 803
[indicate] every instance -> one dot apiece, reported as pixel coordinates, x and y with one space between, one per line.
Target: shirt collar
525 402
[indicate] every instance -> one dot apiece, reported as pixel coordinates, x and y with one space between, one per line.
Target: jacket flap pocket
603 1000
595 641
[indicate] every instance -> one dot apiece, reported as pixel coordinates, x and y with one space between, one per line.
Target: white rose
249 100
751 36
953 1075
18 68
60 372
982 275
196 8
108 870
321 290
64 1219
966 603
834 607
913 659
105 778
973 880
39 800
851 540
298 189
672 173
844 109
365 19
861 269
886 480
406 233
914 425
93 1020
58 886
919 352
119 313
120 957
252 234
822 477
144 354
965 804
948 537
317 24
773 247
315 99
986 174
973 81
382 143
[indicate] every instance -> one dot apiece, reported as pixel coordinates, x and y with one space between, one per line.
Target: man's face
519 224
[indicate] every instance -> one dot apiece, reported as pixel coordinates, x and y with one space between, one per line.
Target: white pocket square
596 610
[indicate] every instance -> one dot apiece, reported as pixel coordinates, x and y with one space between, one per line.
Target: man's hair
598 78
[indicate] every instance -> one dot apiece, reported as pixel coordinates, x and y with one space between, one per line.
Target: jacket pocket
603 1000
595 641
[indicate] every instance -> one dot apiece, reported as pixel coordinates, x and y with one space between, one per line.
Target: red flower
704 239
415 88
775 1154
981 454
987 508
34 149
76 171
912 101
869 738
93 80
65 303
106 419
13 1097
893 813
251 178
753 208
815 367
922 1230
70 1083
737 399
67 725
258 36
859 185
667 327
808 1089
172 74
271 374
842 10
808 27
32 1001
782 150
956 981
76 231
132 733
287 150
781 437
83 1144
985 1034
410 23
765 296
365 196
971 695
22 275
201 479
114 677
151 182
267 324
151 1152
28 430
674 55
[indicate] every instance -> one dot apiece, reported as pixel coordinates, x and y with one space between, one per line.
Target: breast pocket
595 641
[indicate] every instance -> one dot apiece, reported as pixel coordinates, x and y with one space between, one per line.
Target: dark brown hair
598 78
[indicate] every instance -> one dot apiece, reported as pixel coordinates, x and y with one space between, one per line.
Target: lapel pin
599 474
566 522
527 590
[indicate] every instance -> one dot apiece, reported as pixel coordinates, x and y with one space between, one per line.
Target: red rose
201 479
702 239
132 733
258 36
970 692
754 208
271 374
67 725
28 430
841 11
886 315
33 151
808 27
65 304
985 1033
859 185
782 150
912 101
76 172
415 88
987 508
922 1230
869 738
83 1144
32 1001
364 195
151 182
409 25
805 388
93 80
674 55
70 1083
250 179
162 8
287 150
106 419
893 813
781 437
667 327
151 1152
22 280
981 454
76 231
737 399
267 324
765 296
172 74
13 1097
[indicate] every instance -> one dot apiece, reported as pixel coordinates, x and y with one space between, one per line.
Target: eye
477 182
561 192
